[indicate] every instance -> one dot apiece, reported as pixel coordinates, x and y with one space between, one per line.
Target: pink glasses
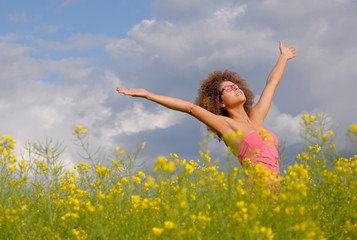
229 88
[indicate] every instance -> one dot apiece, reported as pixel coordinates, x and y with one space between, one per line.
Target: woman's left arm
260 110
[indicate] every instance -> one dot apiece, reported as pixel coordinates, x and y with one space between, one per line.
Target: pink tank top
261 148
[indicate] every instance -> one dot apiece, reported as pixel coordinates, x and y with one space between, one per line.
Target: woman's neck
238 113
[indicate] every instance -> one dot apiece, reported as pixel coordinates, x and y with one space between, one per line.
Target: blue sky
61 61
60 20
67 17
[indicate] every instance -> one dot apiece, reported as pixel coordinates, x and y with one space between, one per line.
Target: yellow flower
157 231
183 162
305 116
189 168
183 204
354 128
201 153
124 179
276 209
302 210
8 138
100 207
141 174
72 186
170 167
136 180
150 181
75 232
262 132
12 168
169 225
11 160
135 199
161 160
101 195
90 207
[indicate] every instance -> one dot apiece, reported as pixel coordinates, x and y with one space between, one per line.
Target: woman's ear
222 105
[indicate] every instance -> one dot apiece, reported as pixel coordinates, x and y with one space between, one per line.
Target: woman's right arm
216 122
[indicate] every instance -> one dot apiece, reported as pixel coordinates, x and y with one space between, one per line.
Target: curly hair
209 96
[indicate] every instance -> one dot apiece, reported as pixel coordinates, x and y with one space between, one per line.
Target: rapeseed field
314 198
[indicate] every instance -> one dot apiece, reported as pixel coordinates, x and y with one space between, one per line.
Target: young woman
225 104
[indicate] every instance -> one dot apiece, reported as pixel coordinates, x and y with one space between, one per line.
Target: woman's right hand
134 92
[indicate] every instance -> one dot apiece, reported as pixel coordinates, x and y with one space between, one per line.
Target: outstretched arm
218 123
260 110
169 102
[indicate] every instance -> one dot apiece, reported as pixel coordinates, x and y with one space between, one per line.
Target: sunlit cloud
136 119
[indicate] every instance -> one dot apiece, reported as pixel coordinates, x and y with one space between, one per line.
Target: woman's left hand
288 52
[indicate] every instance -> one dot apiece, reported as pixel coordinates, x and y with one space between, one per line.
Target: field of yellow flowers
314 198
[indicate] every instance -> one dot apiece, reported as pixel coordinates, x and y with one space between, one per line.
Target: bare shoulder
218 123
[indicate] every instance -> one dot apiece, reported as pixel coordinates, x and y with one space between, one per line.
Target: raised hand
134 92
288 52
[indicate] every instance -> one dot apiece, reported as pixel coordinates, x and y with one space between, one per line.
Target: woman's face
231 93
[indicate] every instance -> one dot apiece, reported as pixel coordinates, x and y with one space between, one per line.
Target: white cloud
70 69
226 13
15 63
112 79
46 115
201 44
136 119
32 107
285 126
